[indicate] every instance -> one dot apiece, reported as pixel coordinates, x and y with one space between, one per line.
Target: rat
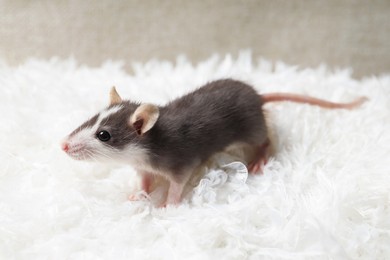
176 139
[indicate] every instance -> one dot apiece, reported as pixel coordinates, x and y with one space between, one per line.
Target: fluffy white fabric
323 195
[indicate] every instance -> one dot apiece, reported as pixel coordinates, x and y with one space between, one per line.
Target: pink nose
65 146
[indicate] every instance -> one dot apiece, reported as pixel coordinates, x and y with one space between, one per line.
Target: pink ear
138 125
144 118
114 97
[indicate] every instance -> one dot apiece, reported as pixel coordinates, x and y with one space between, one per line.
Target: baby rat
175 139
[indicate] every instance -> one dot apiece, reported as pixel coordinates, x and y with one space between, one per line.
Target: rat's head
114 133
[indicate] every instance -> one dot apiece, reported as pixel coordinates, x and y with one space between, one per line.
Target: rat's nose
65 146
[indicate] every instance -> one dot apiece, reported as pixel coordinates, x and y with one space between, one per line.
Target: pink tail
276 97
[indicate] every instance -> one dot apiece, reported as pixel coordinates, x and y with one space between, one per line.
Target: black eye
103 136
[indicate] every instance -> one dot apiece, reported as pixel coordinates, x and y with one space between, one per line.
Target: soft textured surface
324 194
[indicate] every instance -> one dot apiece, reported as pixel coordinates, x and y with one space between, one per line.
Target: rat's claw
133 197
162 206
257 167
260 159
140 195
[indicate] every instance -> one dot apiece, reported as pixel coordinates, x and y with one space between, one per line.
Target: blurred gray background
339 33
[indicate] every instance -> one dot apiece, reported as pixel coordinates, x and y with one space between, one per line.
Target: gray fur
117 125
193 128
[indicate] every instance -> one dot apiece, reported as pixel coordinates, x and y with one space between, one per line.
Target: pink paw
138 196
257 166
133 197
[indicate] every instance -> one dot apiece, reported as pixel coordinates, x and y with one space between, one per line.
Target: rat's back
206 121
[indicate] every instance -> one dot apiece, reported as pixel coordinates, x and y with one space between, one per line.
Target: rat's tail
277 97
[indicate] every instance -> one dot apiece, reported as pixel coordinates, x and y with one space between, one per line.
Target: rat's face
113 134
104 136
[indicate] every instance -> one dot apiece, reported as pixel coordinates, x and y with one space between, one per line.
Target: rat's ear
114 97
144 118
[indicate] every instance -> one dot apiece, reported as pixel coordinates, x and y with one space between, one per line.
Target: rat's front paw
133 197
137 196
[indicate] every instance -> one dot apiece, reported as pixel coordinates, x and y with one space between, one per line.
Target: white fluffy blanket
324 194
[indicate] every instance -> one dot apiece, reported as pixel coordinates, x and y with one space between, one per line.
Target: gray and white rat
175 139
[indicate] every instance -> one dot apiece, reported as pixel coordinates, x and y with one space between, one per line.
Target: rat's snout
65 146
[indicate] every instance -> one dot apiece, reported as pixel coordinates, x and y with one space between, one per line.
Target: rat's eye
103 136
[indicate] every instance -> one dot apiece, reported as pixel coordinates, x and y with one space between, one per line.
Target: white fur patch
104 115
137 157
